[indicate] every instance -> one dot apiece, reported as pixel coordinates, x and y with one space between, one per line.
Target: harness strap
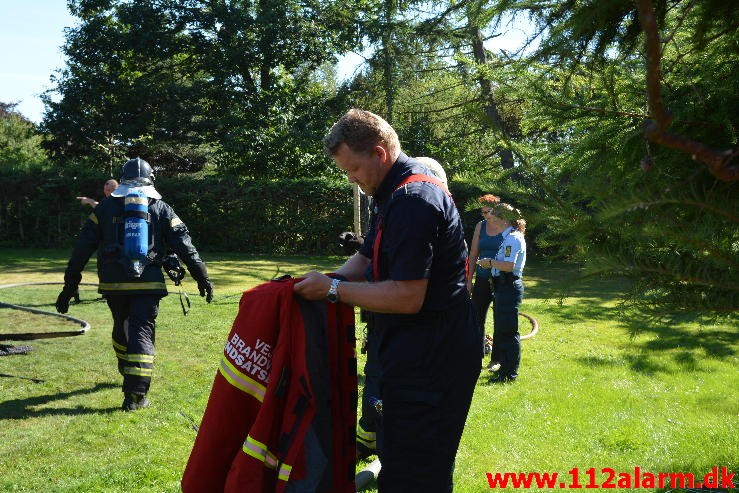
185 311
139 214
378 235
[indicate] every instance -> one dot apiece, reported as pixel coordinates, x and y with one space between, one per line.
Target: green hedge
225 213
228 213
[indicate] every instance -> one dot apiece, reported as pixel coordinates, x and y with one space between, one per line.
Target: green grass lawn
590 394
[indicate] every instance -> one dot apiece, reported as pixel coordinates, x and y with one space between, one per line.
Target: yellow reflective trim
92 217
284 472
257 443
255 449
140 358
134 358
137 200
131 286
370 444
240 380
176 221
119 347
257 455
141 372
366 436
259 451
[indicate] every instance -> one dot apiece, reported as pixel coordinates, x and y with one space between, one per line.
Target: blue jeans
506 338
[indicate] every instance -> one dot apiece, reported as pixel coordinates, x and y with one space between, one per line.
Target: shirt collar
402 167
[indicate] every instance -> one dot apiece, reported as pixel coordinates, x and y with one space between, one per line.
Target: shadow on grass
689 347
561 281
589 310
688 338
22 408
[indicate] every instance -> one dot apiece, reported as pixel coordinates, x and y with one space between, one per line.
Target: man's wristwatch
333 291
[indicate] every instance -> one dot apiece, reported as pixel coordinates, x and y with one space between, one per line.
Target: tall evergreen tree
187 81
627 152
634 201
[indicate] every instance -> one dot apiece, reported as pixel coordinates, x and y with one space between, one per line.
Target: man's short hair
361 131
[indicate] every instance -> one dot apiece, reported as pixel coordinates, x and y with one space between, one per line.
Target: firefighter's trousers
134 319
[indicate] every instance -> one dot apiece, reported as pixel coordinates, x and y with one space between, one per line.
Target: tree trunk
486 90
387 54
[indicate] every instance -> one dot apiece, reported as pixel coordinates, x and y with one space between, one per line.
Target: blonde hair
510 214
361 131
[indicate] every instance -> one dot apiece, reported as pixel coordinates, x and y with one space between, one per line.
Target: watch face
333 295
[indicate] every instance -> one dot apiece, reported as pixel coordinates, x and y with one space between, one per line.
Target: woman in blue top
485 244
507 268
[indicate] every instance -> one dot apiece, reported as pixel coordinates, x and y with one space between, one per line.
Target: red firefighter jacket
263 398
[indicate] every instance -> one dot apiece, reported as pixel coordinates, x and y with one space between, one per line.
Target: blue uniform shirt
513 249
422 236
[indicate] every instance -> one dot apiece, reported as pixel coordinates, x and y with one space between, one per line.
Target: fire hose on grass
7 350
29 336
171 266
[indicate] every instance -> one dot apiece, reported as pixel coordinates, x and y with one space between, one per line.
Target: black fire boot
132 402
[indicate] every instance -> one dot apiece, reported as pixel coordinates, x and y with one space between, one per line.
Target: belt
505 275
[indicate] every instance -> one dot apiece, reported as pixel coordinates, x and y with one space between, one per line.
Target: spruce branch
611 212
718 162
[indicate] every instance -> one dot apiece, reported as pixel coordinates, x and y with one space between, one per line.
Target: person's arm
84 247
411 229
511 248
404 297
177 237
354 268
502 265
474 253
87 201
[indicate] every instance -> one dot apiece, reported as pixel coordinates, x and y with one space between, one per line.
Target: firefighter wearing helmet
132 231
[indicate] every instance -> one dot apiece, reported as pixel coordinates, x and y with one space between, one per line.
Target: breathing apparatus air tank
136 230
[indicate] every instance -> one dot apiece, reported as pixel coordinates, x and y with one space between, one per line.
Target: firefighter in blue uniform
430 346
133 286
369 441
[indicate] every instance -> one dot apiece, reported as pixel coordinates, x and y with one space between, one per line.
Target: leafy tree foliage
616 136
596 186
626 204
194 81
20 143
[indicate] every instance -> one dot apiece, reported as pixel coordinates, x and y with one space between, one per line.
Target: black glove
62 301
174 270
206 289
200 274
